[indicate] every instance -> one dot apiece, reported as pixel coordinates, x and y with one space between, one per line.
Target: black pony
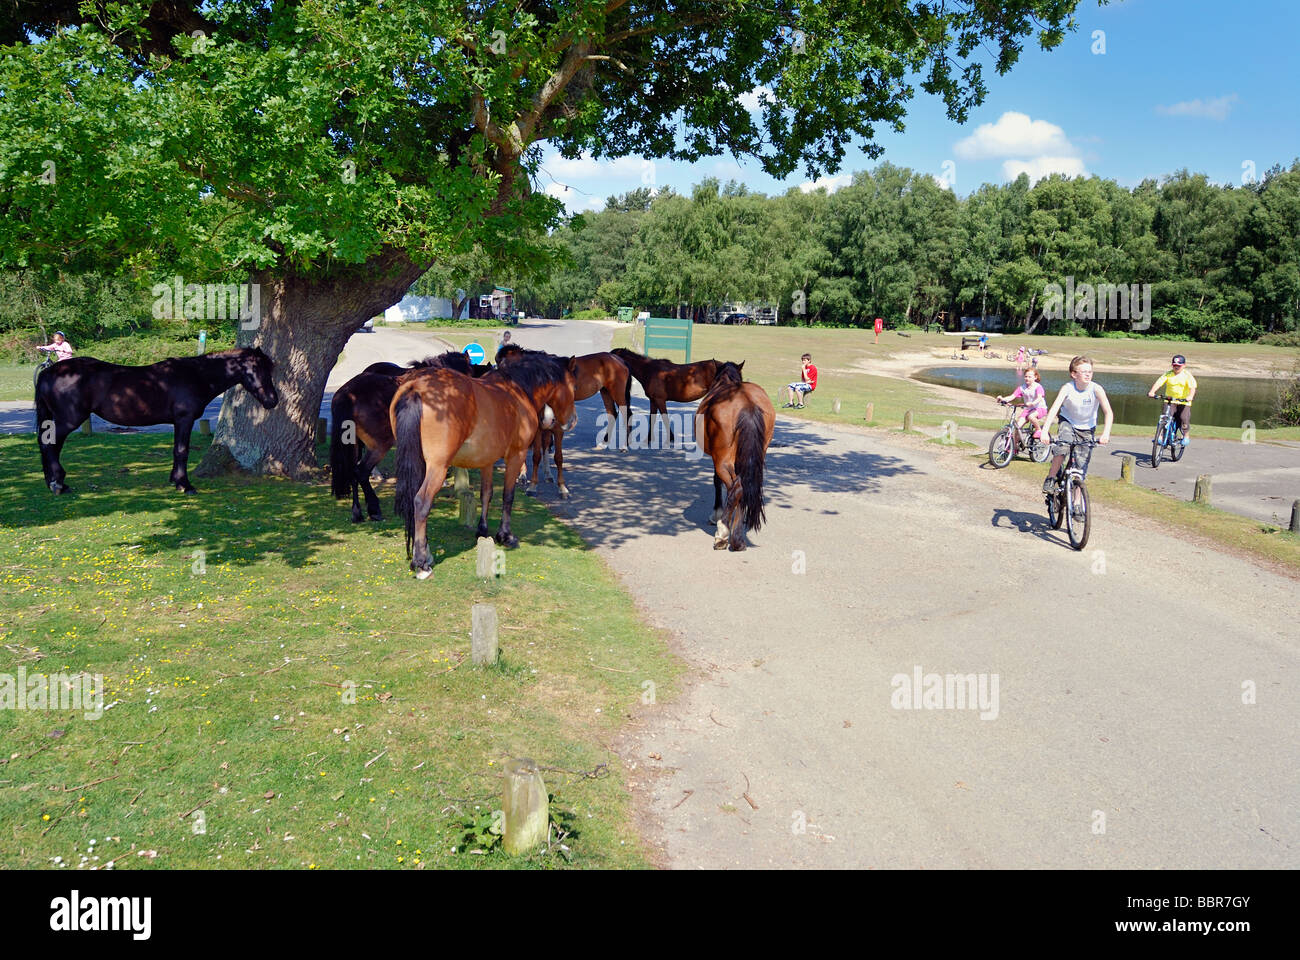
173 391
360 432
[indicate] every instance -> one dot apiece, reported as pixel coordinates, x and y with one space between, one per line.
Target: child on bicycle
1077 404
1180 387
59 347
1035 400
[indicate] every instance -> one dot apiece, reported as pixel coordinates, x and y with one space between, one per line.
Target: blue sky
1182 83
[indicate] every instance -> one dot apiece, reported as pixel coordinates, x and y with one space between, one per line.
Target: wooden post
1126 468
467 515
85 427
526 808
835 405
1202 493
1295 517
483 634
871 412
322 429
483 560
205 427
907 422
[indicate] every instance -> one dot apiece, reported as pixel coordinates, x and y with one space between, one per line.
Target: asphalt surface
1145 709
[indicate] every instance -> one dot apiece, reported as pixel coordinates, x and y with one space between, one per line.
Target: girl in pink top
60 347
1035 399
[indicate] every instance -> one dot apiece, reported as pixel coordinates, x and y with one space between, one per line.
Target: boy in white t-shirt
1077 403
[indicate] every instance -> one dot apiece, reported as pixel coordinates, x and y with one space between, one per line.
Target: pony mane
531 369
450 360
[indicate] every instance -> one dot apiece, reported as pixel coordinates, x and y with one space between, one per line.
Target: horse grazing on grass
444 419
172 391
664 380
734 423
360 433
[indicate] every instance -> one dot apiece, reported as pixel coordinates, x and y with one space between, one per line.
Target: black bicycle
1166 437
41 368
1071 490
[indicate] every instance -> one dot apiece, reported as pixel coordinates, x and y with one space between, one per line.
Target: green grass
228 626
16 382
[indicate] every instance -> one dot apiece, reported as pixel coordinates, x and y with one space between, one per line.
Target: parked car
367 327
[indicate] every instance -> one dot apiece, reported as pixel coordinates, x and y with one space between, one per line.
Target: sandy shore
906 365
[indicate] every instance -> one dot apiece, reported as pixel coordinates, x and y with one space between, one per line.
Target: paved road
1119 737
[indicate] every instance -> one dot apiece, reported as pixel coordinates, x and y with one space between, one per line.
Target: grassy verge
283 693
16 382
1272 542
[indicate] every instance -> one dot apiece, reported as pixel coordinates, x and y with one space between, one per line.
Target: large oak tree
333 151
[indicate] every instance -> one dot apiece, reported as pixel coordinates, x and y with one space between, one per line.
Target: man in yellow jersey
1179 386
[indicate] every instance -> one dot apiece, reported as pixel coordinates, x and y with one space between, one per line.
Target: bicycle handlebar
1172 399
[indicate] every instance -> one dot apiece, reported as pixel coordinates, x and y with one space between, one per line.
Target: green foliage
1286 405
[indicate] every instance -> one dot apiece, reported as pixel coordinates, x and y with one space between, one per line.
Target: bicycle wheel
1055 515
1176 448
1001 449
1039 450
1078 519
1155 454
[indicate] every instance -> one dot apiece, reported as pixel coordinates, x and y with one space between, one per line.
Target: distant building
412 309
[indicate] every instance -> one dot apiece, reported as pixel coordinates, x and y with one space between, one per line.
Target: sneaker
786 406
798 406
1038 434
1049 485
1186 441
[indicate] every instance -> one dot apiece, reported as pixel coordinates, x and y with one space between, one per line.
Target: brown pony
664 380
734 423
594 372
444 419
360 433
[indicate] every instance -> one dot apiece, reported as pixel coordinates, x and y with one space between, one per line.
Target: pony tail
342 460
750 431
410 460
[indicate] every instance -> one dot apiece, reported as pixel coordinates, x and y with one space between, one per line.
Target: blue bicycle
1166 437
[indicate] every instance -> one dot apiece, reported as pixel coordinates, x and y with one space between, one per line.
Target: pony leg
558 435
716 515
725 475
503 534
539 452
485 497
421 558
53 468
362 475
181 454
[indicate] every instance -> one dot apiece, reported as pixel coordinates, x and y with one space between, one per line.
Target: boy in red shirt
805 386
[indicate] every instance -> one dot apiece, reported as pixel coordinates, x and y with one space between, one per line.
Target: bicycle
990 355
1015 438
1070 489
41 368
1166 435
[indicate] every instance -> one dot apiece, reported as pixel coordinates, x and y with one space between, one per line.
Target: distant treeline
1223 262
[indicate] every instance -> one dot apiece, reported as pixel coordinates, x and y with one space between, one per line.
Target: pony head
255 374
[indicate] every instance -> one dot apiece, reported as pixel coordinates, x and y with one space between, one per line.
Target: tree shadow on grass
247 518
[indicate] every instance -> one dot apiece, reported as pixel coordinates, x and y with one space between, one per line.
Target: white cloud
574 202
750 100
1216 109
586 165
1015 134
831 184
1039 167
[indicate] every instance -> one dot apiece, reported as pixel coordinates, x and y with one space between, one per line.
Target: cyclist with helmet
59 347
1180 387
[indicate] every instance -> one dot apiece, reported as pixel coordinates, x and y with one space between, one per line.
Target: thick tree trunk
305 323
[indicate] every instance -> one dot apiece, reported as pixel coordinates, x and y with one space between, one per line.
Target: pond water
1220 401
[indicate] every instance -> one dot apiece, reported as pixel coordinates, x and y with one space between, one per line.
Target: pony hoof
719 544
374 516
738 547
564 493
357 517
510 541
57 487
423 574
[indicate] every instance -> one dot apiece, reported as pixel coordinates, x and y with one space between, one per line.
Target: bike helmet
60 333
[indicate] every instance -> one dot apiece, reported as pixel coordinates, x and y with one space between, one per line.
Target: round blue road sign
474 352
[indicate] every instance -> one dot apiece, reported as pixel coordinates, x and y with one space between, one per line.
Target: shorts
1039 412
1061 446
799 387
1182 414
